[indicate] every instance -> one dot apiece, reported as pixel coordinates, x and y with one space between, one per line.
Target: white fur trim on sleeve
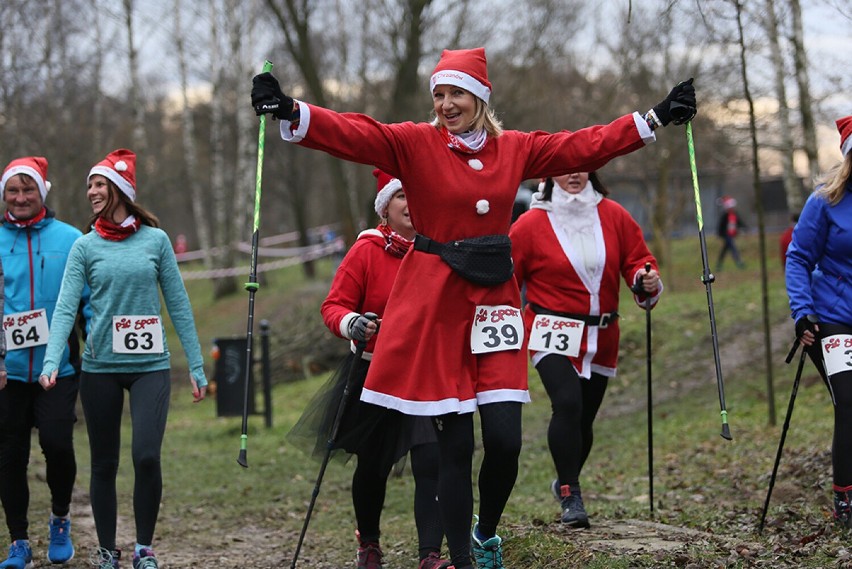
645 131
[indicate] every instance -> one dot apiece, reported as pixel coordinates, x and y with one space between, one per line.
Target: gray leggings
102 396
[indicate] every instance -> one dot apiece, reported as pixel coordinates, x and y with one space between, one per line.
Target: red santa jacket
361 284
557 280
424 364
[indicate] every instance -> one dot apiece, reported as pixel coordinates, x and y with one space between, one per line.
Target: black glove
358 326
806 323
266 97
679 106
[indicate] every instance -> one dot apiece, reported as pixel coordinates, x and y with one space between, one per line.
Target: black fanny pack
485 260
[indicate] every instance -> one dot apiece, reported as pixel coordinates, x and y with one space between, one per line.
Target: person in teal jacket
34 247
127 261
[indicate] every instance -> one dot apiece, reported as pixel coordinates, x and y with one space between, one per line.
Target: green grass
702 482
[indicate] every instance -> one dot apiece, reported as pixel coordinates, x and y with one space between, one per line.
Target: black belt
601 321
423 243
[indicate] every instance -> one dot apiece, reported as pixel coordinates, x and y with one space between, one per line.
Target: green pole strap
724 417
698 216
243 441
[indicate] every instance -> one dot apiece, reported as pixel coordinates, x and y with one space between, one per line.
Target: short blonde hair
483 117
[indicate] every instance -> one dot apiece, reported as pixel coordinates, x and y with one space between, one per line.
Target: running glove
266 97
679 106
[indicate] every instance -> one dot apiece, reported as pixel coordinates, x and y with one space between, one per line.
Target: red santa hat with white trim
386 187
844 126
33 166
465 68
119 167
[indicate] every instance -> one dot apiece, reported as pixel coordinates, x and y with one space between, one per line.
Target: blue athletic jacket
33 263
819 260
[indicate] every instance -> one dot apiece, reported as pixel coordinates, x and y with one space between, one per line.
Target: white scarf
575 213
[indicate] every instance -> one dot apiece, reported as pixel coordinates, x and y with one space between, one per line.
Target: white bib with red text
556 335
837 353
137 335
496 329
26 329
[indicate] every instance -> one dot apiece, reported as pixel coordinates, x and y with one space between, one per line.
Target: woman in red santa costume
571 249
378 437
451 342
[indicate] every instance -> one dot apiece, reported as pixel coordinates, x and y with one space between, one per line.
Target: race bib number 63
496 329
137 335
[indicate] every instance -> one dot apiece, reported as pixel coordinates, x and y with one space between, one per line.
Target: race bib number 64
496 329
137 335
837 353
25 329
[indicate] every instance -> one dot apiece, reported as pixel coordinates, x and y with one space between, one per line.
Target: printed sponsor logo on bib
556 335
837 353
26 329
496 329
137 335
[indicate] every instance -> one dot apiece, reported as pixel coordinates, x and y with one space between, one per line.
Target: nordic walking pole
251 285
784 430
707 278
638 289
332 438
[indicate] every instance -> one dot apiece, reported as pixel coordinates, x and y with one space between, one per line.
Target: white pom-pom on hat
121 166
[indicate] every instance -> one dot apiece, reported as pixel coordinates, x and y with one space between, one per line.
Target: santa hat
386 186
119 167
844 126
727 202
465 68
33 166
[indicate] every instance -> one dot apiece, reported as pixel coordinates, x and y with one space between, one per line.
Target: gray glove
358 326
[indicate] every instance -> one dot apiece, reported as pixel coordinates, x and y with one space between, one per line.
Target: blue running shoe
105 559
145 559
20 556
487 554
60 548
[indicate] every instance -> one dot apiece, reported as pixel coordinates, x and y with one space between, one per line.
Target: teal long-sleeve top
125 278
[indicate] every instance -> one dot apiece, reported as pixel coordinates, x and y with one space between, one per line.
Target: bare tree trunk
190 155
97 77
136 101
222 286
809 137
246 144
767 332
294 25
791 181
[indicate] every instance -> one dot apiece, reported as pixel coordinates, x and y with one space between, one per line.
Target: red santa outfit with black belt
424 364
558 278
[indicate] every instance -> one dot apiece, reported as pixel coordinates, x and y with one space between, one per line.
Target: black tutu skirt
365 429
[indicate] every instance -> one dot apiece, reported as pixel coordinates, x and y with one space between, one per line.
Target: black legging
369 484
22 407
501 442
574 404
102 396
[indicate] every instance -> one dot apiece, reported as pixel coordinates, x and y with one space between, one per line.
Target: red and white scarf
117 232
395 244
467 142
26 222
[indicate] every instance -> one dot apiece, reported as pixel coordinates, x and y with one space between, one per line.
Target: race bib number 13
137 335
556 335
25 329
496 329
837 353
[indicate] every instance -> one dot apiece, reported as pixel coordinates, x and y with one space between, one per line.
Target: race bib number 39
137 335
496 329
556 335
837 353
25 329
